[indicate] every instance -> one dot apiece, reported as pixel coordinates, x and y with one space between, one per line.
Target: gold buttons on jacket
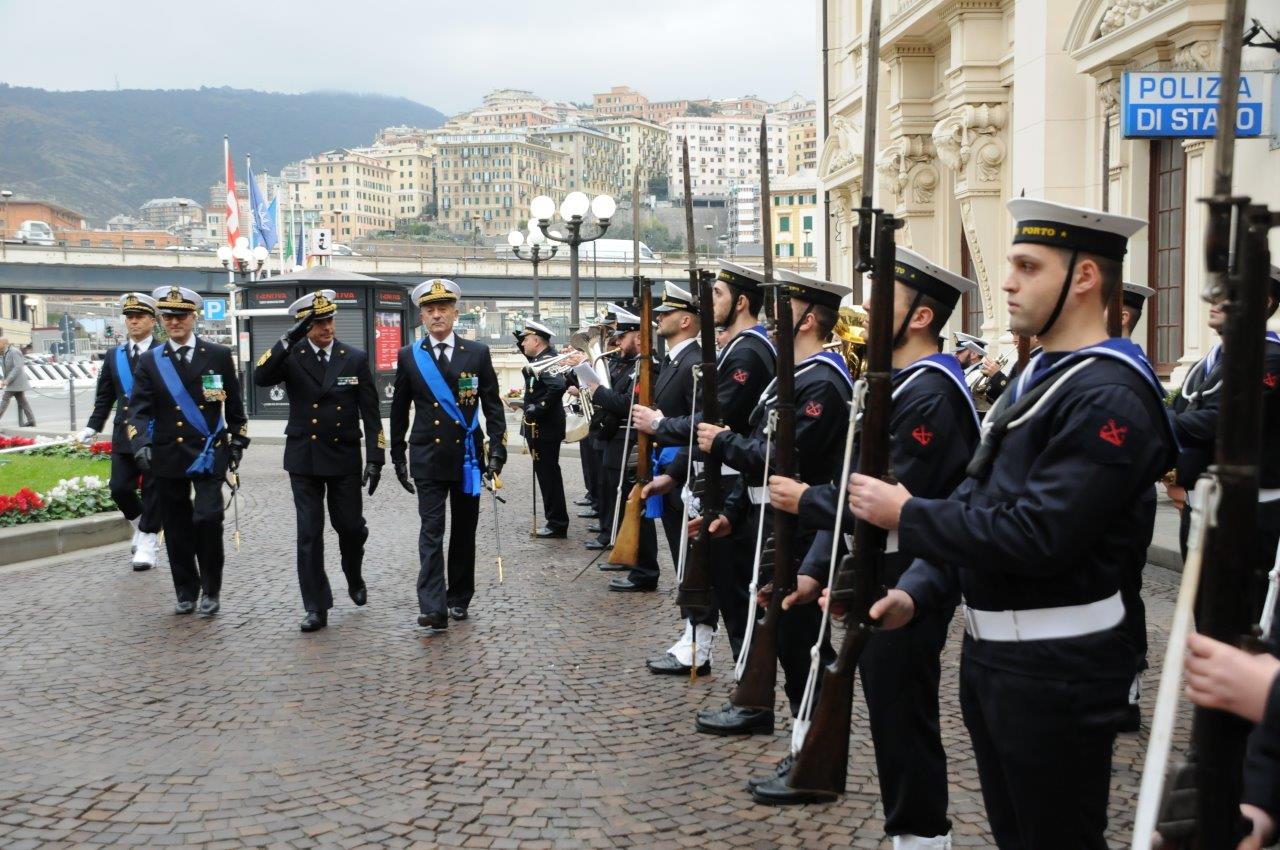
314 406
437 439
314 421
179 439
339 407
178 407
435 404
179 423
437 421
313 436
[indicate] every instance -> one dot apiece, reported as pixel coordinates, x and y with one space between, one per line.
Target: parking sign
215 309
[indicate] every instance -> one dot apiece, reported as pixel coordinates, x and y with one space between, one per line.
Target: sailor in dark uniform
331 394
744 367
605 426
823 391
588 448
447 381
970 350
542 424
933 427
188 427
1037 537
616 401
115 382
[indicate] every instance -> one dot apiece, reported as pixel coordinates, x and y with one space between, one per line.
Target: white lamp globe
242 252
543 208
575 205
224 254
515 239
603 207
261 254
242 242
536 237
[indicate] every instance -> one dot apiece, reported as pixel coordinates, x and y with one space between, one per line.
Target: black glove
402 475
372 475
142 457
495 464
299 330
237 452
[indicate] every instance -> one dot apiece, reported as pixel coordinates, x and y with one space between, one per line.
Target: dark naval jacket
435 444
615 402
933 431
327 406
156 419
543 420
673 391
110 391
1052 520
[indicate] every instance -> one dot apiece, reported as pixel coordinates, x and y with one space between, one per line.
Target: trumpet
554 366
850 338
980 386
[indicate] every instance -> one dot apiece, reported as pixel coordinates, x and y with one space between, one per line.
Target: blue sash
430 372
202 466
653 504
123 373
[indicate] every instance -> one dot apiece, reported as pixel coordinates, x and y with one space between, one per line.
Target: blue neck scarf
949 366
430 372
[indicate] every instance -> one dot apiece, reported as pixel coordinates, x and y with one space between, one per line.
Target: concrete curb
1163 556
58 537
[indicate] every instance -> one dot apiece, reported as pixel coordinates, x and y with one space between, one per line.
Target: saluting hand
372 475
402 475
876 501
707 434
894 610
784 495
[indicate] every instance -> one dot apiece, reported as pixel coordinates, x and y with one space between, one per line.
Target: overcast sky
443 53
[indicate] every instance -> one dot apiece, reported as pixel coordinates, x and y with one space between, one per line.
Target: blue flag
263 232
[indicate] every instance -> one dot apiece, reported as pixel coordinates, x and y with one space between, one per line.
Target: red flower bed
24 501
15 442
101 447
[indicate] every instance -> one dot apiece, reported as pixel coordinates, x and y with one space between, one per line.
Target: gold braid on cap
173 300
438 292
320 307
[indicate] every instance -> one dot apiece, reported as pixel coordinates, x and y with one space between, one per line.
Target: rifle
821 761
694 592
626 548
756 686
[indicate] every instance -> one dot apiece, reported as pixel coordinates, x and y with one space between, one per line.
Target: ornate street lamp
536 251
573 209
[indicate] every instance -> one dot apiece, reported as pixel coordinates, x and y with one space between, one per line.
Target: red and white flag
233 204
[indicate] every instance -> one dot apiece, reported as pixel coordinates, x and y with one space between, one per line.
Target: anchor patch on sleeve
1113 433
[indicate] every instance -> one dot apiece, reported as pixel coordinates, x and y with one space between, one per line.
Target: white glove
86 435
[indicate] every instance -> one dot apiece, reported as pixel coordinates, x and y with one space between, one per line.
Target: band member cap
627 321
1136 295
1040 222
135 303
318 304
436 290
919 273
675 298
532 327
739 275
822 293
176 299
969 342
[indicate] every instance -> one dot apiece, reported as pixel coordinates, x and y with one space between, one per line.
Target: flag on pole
288 243
233 204
263 215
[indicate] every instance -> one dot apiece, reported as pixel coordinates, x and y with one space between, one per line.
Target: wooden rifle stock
695 589
626 548
822 763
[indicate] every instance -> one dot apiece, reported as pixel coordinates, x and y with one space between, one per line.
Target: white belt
1044 623
1265 495
759 495
726 471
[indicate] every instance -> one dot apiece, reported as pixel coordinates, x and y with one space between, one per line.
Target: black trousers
192 534
346 515
646 569
433 598
731 560
589 453
900 672
797 633
1043 748
674 517
607 492
546 468
124 485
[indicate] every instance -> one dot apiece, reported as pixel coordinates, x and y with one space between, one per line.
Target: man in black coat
446 380
115 382
331 393
542 425
188 427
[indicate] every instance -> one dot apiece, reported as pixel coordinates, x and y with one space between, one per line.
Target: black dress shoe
208 605
669 665
184 606
314 621
732 720
626 585
590 513
434 623
595 545
141 566
775 792
547 533
779 772
457 612
594 528
583 501
359 594
606 567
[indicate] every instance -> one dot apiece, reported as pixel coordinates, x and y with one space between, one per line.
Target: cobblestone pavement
534 724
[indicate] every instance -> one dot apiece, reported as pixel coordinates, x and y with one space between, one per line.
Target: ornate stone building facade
983 100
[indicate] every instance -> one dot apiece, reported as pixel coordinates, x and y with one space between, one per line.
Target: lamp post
244 266
534 245
805 243
573 210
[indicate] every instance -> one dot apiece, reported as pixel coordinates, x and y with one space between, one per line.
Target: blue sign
215 309
1184 105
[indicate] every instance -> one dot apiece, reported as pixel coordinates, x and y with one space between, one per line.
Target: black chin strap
911 311
795 329
1062 296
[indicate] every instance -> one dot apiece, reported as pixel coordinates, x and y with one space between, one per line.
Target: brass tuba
850 338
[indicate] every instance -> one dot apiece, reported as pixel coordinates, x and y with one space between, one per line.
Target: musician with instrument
542 425
1036 538
744 367
933 428
823 390
446 380
619 473
610 367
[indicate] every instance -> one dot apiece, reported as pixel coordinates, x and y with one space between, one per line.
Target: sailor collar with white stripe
1116 348
830 358
947 365
1205 367
754 330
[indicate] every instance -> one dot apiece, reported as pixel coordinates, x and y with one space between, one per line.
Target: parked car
35 233
340 250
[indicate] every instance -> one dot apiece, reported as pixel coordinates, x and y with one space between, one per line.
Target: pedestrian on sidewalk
14 382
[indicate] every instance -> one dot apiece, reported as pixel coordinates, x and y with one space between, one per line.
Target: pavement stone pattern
533 724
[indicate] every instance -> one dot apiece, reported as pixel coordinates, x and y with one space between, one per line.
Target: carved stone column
907 172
